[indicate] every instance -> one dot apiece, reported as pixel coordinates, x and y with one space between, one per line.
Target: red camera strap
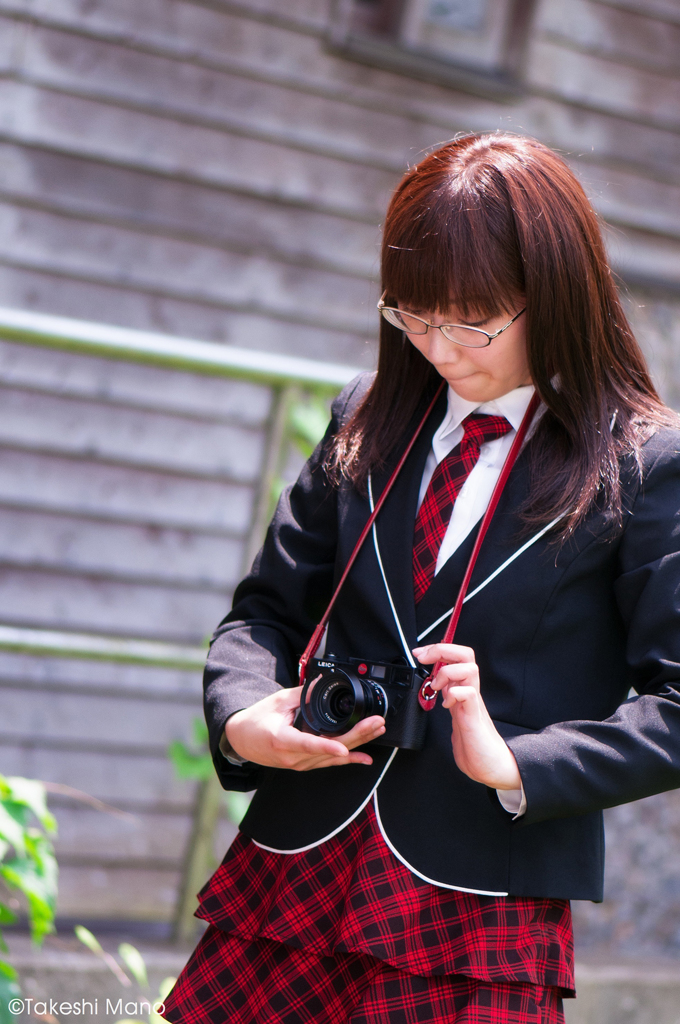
427 701
313 644
427 696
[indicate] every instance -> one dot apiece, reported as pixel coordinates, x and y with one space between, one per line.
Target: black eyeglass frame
441 327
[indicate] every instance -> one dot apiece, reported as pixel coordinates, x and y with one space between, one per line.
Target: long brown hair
479 223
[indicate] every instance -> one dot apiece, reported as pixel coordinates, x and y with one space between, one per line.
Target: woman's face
477 374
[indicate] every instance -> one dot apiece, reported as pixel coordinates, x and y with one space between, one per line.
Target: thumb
290 696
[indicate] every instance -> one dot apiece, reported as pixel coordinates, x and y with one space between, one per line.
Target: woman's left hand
478 748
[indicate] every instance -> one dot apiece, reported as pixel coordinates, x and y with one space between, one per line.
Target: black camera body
339 693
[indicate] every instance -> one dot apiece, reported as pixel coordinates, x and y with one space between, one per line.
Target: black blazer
561 636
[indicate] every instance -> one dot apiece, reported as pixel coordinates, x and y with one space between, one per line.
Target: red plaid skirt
346 933
230 980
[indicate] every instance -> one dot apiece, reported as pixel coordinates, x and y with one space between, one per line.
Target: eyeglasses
460 334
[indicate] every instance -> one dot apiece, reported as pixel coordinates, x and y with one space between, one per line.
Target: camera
339 693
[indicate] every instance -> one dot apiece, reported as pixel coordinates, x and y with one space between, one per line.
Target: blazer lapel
500 542
396 522
443 590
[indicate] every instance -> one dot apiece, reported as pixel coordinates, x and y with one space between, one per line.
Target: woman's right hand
264 733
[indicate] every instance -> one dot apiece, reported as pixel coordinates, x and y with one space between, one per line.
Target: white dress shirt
475 494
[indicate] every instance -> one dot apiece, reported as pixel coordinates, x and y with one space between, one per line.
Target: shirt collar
512 405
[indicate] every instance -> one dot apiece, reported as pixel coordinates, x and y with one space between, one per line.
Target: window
472 44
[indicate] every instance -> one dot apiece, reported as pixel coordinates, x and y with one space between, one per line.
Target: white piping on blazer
303 849
495 573
407 649
481 586
425 878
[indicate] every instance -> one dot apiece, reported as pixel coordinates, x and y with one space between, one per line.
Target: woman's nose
439 349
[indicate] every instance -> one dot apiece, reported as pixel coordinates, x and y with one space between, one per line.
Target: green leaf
87 938
39 849
39 886
34 875
166 986
7 916
33 868
42 921
134 961
200 733
7 971
12 830
31 794
308 421
189 765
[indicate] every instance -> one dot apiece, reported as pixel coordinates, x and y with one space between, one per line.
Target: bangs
450 240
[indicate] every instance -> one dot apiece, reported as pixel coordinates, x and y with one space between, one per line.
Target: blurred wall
219 169
126 500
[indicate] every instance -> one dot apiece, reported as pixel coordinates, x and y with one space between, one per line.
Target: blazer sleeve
256 648
577 767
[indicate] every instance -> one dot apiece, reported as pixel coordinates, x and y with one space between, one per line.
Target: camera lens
336 700
336 705
341 703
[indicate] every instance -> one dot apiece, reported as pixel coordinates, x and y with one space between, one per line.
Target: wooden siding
215 171
126 499
208 168
105 729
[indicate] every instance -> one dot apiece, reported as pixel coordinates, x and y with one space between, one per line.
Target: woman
376 884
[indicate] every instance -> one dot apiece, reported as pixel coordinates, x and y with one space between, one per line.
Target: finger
465 695
363 732
359 757
450 653
289 696
304 764
295 742
456 675
336 762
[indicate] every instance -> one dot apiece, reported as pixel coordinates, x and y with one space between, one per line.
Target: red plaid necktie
444 487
